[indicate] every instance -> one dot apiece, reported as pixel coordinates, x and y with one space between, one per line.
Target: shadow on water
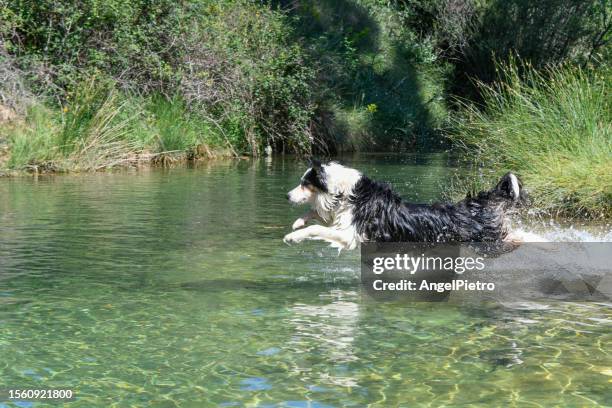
263 286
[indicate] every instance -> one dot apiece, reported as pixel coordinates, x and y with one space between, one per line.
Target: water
172 287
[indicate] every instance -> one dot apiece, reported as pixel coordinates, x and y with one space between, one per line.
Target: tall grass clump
174 130
91 117
99 127
86 133
553 128
32 140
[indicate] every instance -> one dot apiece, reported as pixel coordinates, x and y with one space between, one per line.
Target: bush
366 57
245 73
230 62
554 129
14 94
60 41
473 34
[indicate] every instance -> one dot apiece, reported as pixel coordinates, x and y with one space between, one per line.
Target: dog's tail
511 188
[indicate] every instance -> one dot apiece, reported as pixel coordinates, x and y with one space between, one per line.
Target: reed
97 127
554 128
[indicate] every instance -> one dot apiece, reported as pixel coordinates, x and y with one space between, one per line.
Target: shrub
14 94
134 42
244 71
367 56
554 129
472 34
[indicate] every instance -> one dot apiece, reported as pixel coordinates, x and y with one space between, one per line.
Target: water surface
172 287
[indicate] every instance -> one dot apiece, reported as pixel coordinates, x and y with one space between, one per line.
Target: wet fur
381 215
353 208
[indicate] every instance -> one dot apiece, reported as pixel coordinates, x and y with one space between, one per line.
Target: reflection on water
333 325
173 288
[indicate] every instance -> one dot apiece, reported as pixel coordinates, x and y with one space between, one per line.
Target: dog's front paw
294 238
299 223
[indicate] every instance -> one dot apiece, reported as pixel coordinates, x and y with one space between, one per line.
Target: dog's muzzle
299 195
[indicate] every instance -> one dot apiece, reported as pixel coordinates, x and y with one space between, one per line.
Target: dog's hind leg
339 238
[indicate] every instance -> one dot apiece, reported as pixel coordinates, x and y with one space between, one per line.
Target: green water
164 288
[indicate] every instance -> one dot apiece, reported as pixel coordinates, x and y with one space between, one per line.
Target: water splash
554 231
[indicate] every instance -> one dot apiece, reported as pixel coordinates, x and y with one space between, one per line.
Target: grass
554 129
31 141
98 128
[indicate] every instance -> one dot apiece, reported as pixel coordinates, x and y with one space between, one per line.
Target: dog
352 208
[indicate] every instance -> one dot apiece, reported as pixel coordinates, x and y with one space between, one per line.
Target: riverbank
91 87
553 128
99 128
247 75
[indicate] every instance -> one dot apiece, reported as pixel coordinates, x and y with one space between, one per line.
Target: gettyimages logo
440 272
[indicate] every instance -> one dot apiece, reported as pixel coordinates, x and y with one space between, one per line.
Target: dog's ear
314 163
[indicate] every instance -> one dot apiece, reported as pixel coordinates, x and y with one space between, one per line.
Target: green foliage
86 134
170 126
473 34
247 74
135 42
367 56
89 105
231 62
34 143
174 128
98 127
554 129
259 75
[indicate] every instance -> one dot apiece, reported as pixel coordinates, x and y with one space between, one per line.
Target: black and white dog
352 208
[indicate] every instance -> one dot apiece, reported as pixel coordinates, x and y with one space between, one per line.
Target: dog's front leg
319 232
300 222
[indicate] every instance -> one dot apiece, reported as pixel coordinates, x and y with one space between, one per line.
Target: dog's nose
288 196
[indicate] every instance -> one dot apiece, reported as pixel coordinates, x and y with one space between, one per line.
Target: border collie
351 208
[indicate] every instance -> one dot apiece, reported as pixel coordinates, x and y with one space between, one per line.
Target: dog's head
312 182
509 194
331 179
511 188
